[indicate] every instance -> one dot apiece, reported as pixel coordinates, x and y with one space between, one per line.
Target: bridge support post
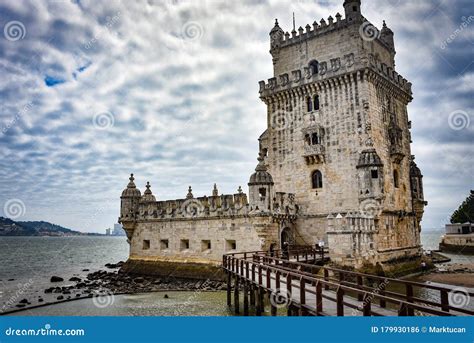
258 306
246 298
236 295
261 295
252 295
229 289
273 308
340 301
319 298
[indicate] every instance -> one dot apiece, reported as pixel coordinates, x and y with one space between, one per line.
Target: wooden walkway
297 284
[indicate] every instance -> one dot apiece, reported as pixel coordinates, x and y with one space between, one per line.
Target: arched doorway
286 236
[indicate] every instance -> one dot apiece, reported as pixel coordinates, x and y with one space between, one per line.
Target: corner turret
261 188
386 36
276 38
129 202
352 10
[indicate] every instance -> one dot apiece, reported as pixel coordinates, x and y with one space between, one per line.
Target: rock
24 301
60 297
78 295
40 300
166 296
49 290
85 270
75 278
139 280
11 279
114 265
56 279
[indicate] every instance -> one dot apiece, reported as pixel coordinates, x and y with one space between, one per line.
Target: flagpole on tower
294 25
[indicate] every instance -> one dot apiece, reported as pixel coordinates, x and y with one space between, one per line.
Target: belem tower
334 164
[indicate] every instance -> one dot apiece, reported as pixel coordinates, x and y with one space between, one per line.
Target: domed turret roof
131 190
368 158
276 28
148 195
261 176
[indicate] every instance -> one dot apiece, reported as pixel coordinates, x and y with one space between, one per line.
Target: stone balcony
314 154
396 152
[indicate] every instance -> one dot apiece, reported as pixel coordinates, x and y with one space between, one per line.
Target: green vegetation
465 212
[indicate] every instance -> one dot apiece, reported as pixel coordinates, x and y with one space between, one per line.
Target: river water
29 262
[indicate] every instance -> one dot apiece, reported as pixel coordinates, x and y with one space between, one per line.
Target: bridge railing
362 280
253 269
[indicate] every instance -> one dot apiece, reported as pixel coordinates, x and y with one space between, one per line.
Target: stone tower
338 137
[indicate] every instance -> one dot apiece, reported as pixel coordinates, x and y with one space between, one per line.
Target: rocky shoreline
110 282
459 274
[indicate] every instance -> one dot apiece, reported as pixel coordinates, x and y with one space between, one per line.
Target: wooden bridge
299 283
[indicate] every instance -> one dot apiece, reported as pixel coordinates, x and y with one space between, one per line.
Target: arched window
314 138
317 179
307 139
309 104
314 67
316 102
395 178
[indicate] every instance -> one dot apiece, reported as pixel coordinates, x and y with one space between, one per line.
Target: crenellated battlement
329 69
206 206
313 30
219 206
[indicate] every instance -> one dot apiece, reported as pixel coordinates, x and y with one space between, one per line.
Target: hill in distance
10 227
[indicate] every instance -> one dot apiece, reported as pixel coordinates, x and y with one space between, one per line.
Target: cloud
169 90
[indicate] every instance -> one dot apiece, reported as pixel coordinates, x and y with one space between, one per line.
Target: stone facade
335 161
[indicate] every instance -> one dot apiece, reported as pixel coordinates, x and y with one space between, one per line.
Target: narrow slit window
316 103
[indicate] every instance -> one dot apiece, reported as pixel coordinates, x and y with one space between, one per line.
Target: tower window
316 102
374 173
354 8
184 244
317 179
395 178
315 139
146 244
230 244
309 104
205 245
164 244
262 192
314 67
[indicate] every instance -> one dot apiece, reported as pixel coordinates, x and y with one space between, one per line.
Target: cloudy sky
93 90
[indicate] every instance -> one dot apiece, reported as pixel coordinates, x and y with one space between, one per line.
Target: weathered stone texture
335 161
